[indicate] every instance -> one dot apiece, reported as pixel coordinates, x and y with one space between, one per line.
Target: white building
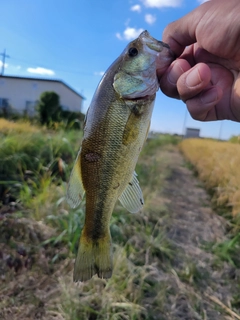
192 133
21 94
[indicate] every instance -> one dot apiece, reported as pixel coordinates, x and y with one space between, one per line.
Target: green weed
68 226
227 250
142 285
193 274
160 140
32 151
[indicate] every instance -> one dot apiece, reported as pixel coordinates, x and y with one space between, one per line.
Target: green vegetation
30 161
156 275
51 113
49 107
235 139
159 141
227 250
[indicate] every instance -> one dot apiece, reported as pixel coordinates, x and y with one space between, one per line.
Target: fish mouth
165 56
153 43
141 98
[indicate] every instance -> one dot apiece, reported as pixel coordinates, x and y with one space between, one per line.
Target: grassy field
168 260
7 127
217 166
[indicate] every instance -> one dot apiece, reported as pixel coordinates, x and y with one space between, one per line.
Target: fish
115 128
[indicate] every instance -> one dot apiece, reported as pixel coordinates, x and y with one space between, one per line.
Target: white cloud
202 1
5 64
41 71
136 8
129 34
118 35
99 73
150 19
162 3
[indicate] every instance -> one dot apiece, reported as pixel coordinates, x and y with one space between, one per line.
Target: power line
4 56
84 73
56 69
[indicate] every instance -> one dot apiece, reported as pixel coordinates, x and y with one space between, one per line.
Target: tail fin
94 256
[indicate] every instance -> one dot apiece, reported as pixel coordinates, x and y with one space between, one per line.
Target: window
65 108
5 108
4 103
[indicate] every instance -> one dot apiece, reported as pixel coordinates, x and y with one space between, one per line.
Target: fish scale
115 128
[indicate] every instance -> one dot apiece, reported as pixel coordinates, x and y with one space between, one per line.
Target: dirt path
204 284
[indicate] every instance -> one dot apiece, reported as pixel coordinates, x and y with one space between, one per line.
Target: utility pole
184 123
220 130
4 56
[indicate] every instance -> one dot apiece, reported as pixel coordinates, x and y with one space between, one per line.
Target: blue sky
76 41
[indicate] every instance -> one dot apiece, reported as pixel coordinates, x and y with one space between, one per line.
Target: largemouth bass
115 128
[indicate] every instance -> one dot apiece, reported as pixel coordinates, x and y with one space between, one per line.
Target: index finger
182 32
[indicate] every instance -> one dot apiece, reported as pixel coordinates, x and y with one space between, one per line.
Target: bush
235 139
72 120
49 107
50 112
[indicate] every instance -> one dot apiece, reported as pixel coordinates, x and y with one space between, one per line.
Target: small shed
192 133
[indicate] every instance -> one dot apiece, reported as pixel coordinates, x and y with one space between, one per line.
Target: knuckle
195 109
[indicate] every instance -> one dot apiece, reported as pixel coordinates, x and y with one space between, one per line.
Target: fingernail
174 73
209 96
193 78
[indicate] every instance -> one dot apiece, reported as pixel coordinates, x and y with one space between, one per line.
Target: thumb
202 107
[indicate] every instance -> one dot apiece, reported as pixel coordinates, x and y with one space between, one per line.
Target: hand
206 74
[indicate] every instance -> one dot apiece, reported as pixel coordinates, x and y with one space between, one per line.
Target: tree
49 107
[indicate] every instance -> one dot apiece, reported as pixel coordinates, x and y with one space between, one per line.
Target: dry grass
18 127
217 164
158 272
137 289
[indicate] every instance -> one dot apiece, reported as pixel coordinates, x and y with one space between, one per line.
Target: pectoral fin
75 191
132 197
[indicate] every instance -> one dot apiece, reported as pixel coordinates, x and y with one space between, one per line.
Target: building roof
43 79
193 129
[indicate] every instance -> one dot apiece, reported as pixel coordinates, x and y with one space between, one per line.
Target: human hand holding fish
115 129
206 73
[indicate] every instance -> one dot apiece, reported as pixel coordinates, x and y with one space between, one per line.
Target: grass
216 164
32 160
137 244
235 139
39 239
28 159
158 142
68 226
34 151
227 250
6 127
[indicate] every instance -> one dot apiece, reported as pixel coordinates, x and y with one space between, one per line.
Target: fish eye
133 52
